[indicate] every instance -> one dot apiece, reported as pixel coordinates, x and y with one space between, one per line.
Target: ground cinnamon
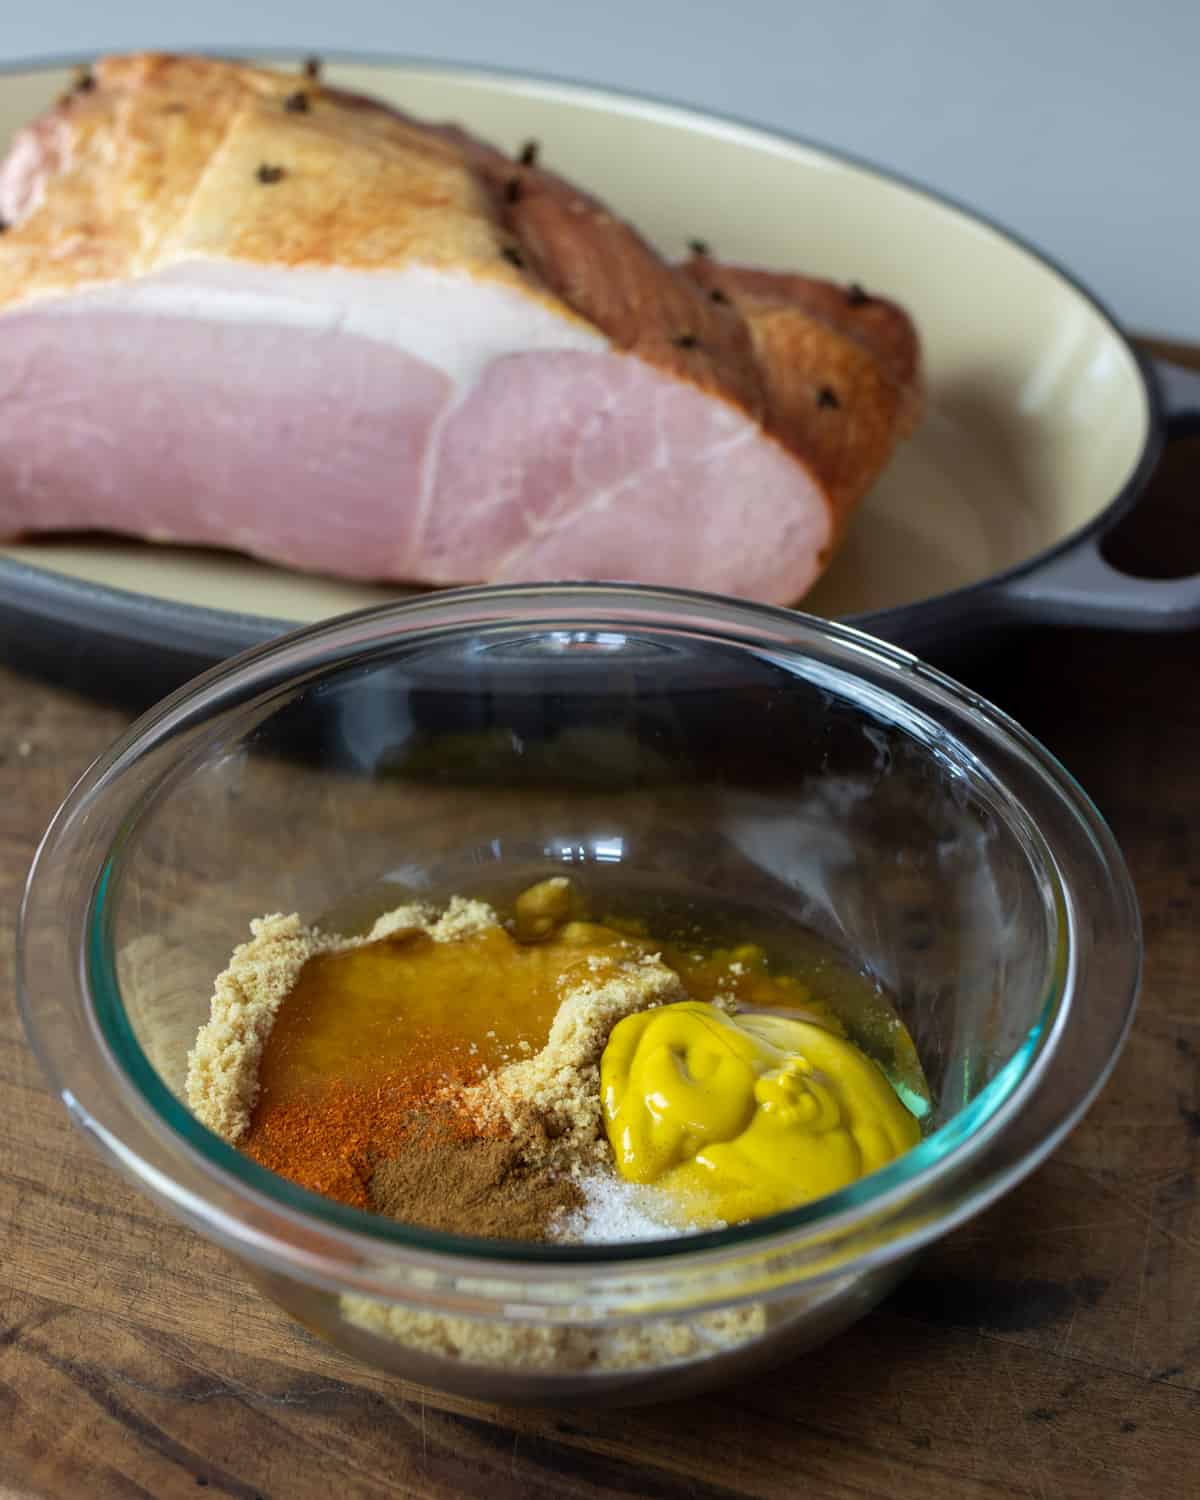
443 1175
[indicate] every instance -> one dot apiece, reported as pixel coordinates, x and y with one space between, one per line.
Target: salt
614 1210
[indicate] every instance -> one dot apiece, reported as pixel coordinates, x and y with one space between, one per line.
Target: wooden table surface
1051 1348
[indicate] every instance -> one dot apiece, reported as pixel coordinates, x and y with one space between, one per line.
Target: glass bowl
708 754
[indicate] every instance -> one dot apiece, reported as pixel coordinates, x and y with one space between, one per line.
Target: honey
475 1004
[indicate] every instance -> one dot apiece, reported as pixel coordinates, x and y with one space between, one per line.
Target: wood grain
1049 1348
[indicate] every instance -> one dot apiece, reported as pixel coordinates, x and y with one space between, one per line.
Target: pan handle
1080 587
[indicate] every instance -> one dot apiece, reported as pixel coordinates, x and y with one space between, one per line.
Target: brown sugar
551 1101
644 1344
222 1079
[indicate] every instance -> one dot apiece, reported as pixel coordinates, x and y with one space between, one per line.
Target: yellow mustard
741 1117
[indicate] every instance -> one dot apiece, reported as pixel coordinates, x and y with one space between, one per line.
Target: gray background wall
1075 122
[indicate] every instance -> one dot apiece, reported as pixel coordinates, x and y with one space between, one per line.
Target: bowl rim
323 647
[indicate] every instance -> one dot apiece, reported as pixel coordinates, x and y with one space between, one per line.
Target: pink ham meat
243 310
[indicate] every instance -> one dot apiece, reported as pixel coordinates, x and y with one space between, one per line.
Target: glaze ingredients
548 1077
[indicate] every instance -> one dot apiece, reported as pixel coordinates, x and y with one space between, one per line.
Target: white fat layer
454 321
22 177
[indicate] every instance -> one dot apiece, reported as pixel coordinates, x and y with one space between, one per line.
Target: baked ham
245 310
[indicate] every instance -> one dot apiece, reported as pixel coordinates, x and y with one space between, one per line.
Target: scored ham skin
406 357
857 351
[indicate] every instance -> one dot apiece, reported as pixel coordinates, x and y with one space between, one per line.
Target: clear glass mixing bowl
710 752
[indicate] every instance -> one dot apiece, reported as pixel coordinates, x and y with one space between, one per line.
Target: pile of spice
414 1118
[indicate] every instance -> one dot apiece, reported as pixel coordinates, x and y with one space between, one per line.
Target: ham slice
241 309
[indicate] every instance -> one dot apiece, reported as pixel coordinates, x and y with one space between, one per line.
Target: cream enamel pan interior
1040 416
